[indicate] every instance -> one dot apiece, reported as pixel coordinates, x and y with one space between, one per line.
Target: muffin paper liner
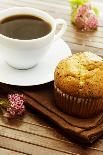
77 106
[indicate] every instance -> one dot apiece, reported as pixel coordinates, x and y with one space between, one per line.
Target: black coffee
24 27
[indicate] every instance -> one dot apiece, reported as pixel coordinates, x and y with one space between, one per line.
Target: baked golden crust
80 75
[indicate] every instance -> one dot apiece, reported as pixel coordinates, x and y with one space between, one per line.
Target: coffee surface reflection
24 27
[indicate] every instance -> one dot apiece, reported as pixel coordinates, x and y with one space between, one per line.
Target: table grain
33 134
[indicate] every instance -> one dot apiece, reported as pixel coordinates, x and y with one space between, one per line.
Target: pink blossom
16 107
86 18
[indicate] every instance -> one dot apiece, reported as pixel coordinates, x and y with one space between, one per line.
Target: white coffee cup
24 54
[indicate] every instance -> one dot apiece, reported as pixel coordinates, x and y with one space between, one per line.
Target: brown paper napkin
41 98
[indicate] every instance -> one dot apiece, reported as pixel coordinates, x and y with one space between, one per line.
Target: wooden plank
29 149
78 48
81 42
9 152
94 37
35 119
34 139
35 129
51 144
40 5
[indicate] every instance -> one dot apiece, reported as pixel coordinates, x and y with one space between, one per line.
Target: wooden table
36 135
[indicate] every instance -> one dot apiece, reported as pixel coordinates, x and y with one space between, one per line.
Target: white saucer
42 73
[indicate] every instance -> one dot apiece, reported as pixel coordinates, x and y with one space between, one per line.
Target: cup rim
31 40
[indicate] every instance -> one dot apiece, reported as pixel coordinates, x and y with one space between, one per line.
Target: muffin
78 85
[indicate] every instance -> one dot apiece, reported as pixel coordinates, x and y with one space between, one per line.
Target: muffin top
80 75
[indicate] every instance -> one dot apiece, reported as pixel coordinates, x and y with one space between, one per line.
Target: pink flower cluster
16 107
86 18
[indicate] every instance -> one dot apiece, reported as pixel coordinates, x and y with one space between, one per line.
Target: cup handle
62 30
